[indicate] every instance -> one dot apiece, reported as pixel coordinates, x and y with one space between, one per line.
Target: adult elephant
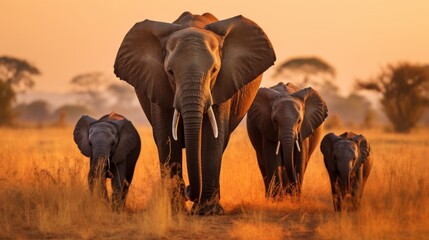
195 79
285 125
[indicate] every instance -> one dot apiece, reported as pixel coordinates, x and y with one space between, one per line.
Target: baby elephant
348 161
113 147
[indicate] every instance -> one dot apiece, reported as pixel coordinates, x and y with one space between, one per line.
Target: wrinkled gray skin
113 146
348 161
292 118
195 79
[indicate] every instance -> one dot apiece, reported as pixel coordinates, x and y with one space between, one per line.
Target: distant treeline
403 89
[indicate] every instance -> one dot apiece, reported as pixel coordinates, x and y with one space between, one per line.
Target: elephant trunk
192 114
287 143
97 172
344 169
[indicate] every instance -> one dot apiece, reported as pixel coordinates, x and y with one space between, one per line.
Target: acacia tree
405 93
91 86
15 75
308 68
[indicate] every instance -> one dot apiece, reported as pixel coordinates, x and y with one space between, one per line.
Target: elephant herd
196 79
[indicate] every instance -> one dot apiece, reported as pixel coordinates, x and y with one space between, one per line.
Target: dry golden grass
44 194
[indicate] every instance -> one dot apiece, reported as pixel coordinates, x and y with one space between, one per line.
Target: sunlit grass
44 194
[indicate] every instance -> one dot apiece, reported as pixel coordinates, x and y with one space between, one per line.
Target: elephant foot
206 208
178 199
178 205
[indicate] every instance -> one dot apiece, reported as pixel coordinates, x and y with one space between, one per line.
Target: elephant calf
113 146
348 161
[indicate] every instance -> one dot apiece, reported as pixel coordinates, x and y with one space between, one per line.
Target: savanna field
44 194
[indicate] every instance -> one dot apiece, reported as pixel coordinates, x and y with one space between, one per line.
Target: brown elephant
113 147
195 79
285 125
348 161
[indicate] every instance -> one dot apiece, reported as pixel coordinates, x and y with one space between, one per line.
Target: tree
69 113
405 93
15 75
17 72
36 111
91 86
308 68
7 97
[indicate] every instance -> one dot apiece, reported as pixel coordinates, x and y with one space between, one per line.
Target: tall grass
44 194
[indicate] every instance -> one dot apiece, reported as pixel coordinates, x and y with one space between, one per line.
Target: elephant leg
119 185
357 190
170 155
272 166
256 140
98 184
336 195
131 164
301 163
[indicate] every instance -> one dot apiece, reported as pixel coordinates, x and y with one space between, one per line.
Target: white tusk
278 148
212 119
175 123
297 145
108 163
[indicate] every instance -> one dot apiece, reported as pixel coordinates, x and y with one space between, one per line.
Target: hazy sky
66 38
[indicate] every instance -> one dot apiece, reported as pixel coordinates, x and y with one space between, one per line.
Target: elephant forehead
194 38
288 104
102 127
345 147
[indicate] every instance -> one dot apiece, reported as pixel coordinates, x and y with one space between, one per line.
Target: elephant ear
140 60
315 112
326 147
327 143
259 113
246 54
129 139
81 134
364 151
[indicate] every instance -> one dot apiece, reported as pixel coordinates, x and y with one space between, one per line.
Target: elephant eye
170 72
214 70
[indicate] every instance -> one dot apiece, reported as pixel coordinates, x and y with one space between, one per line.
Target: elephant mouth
104 166
176 118
296 144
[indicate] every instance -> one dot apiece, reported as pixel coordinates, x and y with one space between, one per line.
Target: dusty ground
44 194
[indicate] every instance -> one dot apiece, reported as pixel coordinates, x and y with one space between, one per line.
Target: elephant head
190 65
344 155
105 141
287 116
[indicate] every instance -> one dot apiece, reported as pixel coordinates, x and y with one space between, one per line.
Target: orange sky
66 38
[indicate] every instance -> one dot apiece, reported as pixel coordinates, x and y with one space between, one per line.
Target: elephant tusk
297 145
212 119
175 123
108 163
278 148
